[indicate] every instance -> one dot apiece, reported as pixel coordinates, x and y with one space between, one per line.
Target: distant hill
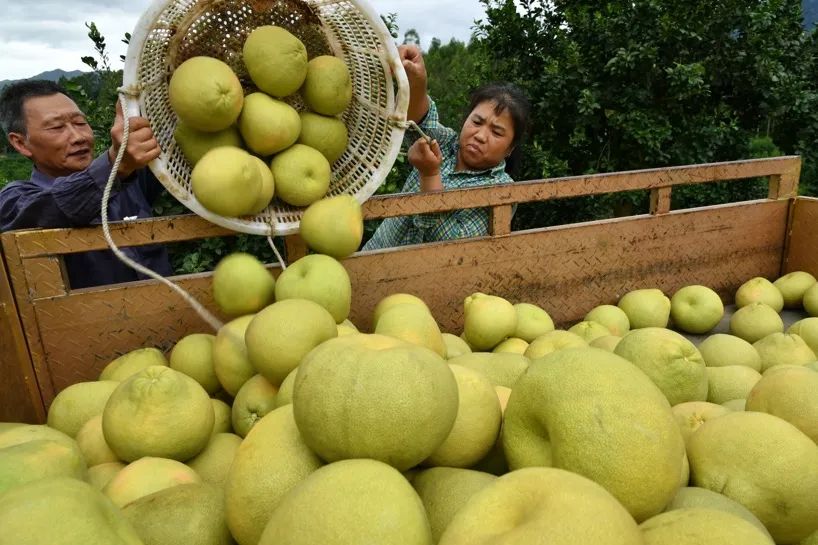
810 8
51 75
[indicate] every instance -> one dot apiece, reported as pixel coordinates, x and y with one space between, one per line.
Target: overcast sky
40 35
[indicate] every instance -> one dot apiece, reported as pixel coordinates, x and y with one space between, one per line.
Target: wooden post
660 201
501 220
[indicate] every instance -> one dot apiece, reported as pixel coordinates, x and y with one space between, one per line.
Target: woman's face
485 139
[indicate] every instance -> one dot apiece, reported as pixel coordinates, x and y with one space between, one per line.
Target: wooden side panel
569 270
802 253
20 399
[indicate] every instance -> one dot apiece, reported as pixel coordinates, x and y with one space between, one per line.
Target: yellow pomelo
100 475
351 501
205 94
255 399
193 356
230 360
735 404
327 134
692 414
793 286
347 328
393 300
91 442
646 308
39 459
721 350
594 413
62 511
811 301
755 321
242 285
699 526
542 506
188 513
413 324
607 342
553 341
226 181
501 369
455 346
285 391
783 349
270 461
283 333
213 463
589 330
512 345
195 144
444 491
487 320
268 187
333 226
276 60
146 476
477 424
319 278
33 432
774 474
267 125
78 403
327 88
302 175
131 363
790 394
696 309
222 416
693 496
612 317
158 412
532 321
730 382
807 329
670 360
369 396
759 290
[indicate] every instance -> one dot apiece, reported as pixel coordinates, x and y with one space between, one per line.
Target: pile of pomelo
244 150
289 426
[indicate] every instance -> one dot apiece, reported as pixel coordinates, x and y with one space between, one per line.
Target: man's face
58 139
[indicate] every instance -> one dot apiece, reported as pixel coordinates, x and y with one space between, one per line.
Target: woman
490 135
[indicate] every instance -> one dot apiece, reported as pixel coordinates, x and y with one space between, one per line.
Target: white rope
205 314
275 251
409 124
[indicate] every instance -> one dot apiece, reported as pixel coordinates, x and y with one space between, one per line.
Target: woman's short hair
506 96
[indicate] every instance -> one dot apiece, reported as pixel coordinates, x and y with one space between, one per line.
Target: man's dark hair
14 96
506 96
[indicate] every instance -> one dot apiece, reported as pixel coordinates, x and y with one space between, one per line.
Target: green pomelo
793 286
646 308
693 496
755 321
589 330
532 321
276 60
33 432
671 361
501 369
213 463
78 403
270 461
91 442
327 88
146 476
553 341
302 175
285 391
39 459
730 382
594 413
226 181
281 335
62 511
222 417
735 404
608 342
267 125
255 399
158 412
759 290
512 345
612 317
188 513
195 144
326 134
319 278
100 475
414 325
696 309
700 526
783 349
807 329
242 284
444 491
230 360
131 363
193 356
488 320
268 187
774 475
333 226
692 414
372 396
721 350
790 394
810 301
205 94
393 300
542 506
455 346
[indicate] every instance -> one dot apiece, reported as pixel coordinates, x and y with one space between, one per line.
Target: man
67 182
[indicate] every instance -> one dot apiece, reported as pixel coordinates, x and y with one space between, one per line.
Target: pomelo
91 442
255 399
327 88
501 369
146 476
213 463
131 363
230 360
193 356
205 94
721 350
275 59
700 526
78 403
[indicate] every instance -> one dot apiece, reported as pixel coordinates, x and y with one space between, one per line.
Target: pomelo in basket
242 285
793 286
302 175
226 181
413 324
268 187
759 290
268 125
195 144
78 403
230 360
488 320
193 356
326 134
319 278
327 88
146 476
532 321
333 226
276 60
205 94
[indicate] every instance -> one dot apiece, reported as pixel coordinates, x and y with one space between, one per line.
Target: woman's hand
426 157
412 59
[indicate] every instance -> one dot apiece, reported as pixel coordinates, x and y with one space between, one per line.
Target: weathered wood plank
802 251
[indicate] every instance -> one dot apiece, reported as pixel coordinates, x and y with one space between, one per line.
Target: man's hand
426 157
142 146
412 59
